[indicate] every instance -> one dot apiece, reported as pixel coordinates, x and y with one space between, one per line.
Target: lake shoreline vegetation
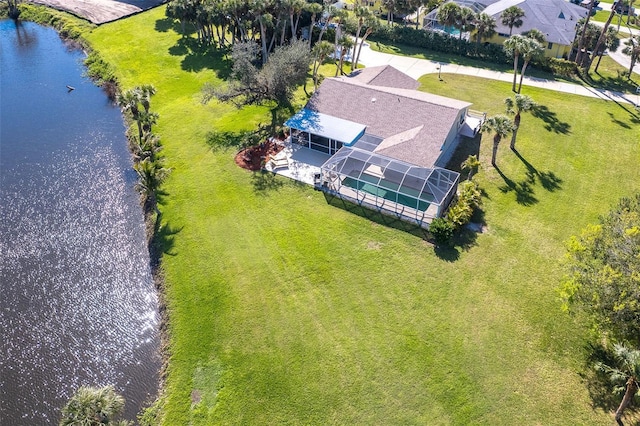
229 356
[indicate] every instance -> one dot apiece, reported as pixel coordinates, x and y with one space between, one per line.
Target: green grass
287 310
603 15
609 75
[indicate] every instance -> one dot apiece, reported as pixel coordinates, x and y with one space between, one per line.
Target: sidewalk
418 67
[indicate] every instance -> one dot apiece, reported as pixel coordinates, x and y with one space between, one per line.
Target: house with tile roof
389 143
556 19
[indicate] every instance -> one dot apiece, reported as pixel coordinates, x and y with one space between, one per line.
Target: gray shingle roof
556 19
385 76
388 112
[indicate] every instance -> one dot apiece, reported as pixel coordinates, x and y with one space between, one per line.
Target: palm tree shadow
199 56
548 180
552 123
523 189
618 122
162 242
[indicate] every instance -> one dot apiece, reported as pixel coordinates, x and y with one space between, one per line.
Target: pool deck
302 163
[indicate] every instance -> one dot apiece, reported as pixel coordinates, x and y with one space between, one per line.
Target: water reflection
77 306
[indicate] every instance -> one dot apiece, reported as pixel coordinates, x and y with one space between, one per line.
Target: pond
78 303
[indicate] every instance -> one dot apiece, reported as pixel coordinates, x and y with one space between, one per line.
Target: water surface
77 302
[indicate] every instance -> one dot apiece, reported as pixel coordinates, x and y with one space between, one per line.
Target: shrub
562 67
441 230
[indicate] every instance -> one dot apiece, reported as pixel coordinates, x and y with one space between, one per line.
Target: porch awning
327 126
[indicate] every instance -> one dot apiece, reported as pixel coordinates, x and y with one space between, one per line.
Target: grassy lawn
608 76
603 15
288 310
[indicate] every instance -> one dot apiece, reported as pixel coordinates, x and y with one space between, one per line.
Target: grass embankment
285 309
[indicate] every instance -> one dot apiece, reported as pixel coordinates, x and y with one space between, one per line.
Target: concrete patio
302 163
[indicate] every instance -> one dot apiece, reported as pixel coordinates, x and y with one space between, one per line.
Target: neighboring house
556 19
389 142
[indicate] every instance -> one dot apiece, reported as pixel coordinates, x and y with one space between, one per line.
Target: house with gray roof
556 19
388 142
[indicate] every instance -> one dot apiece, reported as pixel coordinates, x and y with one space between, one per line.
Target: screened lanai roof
432 185
326 126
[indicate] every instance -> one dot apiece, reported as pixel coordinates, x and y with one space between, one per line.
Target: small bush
441 230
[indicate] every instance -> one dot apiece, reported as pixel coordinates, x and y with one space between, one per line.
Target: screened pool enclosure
409 192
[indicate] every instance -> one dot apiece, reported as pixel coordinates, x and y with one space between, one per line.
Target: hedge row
488 52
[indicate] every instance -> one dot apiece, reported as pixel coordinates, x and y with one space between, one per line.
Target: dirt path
101 11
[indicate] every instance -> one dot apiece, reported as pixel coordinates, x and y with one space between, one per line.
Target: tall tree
466 21
611 43
632 48
361 12
601 39
91 406
501 126
485 27
345 43
151 175
626 374
604 272
259 9
581 43
448 14
320 52
315 9
516 106
512 17
371 24
532 49
514 46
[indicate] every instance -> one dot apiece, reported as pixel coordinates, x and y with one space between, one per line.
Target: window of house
549 45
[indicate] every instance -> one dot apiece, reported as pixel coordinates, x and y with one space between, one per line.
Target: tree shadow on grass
463 240
162 242
377 217
620 123
523 189
552 123
264 181
167 24
199 56
548 180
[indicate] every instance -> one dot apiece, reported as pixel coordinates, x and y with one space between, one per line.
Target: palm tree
531 49
372 24
449 14
151 175
514 46
522 103
361 13
320 52
314 9
129 101
601 39
145 92
466 20
485 27
92 407
537 35
147 147
345 43
512 17
627 372
470 165
632 48
501 126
